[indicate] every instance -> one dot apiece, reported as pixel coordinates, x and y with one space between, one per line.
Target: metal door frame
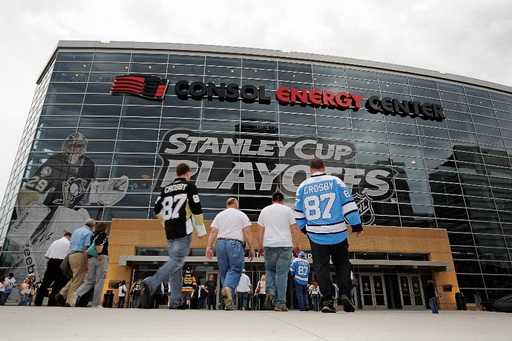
372 291
413 305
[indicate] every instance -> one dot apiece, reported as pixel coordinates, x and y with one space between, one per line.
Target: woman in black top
430 292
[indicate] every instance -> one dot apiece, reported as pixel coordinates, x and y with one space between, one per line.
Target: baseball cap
302 254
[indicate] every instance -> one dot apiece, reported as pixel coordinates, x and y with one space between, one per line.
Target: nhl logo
364 203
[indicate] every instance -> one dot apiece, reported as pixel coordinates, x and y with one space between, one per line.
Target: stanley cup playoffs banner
254 167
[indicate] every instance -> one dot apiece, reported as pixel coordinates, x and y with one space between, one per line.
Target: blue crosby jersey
322 205
299 269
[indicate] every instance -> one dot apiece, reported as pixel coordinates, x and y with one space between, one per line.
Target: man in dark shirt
180 209
211 288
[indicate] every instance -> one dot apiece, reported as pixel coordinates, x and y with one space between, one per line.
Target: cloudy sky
464 37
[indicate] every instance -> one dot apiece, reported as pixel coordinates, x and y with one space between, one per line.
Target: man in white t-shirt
53 275
277 233
243 289
228 230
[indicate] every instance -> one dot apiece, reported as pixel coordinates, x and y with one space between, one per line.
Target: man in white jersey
322 204
277 233
228 230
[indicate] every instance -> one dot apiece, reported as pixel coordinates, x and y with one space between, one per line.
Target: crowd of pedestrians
77 263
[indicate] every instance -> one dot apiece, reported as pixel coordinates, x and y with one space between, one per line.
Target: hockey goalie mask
74 147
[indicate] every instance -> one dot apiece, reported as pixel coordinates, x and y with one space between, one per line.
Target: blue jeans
302 296
433 305
243 300
136 301
178 251
230 256
277 264
3 297
315 300
24 299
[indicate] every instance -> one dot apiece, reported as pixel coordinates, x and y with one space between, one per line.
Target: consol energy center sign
316 97
154 88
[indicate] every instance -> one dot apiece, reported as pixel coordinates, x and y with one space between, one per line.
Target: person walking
179 207
25 292
211 289
261 292
135 292
79 242
189 283
314 292
243 289
121 295
203 296
227 231
322 204
430 292
8 283
53 275
277 233
97 266
299 270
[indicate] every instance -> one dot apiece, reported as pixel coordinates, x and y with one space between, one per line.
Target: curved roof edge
299 56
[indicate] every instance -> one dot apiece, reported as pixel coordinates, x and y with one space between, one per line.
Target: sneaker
347 304
281 308
183 306
60 300
227 297
145 296
268 305
328 307
97 306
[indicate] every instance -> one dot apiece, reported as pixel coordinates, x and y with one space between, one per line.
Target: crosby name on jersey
177 204
322 205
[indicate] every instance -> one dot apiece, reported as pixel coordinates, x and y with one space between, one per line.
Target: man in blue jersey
322 205
299 269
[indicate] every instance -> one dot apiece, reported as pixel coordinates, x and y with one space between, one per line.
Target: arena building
427 156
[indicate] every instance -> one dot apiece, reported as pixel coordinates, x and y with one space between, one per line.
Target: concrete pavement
56 323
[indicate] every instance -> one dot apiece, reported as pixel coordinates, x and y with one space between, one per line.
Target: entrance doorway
373 291
411 292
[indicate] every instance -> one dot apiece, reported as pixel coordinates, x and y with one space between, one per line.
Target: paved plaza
57 323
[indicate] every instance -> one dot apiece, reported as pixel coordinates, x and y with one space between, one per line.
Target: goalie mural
53 200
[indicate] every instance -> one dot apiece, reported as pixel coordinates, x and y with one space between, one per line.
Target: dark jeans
302 296
53 274
120 304
212 300
433 305
243 300
322 254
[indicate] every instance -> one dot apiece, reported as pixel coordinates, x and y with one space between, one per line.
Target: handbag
91 251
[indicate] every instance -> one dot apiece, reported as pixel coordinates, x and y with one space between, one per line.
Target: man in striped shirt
322 205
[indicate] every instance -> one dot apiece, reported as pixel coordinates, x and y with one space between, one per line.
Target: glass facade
404 171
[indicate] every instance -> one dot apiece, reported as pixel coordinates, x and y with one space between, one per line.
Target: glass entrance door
373 291
411 292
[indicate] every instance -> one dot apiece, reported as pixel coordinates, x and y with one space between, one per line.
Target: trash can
460 300
108 299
